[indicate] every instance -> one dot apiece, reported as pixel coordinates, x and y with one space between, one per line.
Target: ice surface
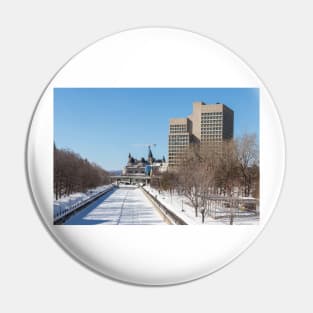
122 206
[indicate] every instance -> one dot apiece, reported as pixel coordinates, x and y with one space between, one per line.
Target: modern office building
207 124
179 139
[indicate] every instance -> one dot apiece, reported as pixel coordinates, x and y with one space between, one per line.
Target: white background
37 37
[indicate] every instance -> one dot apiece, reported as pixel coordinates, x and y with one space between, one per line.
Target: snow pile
67 204
182 207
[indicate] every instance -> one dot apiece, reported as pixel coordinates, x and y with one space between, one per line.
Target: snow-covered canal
123 206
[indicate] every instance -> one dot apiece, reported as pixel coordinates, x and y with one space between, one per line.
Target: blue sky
105 124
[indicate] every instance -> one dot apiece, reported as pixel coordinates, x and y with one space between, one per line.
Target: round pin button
155 156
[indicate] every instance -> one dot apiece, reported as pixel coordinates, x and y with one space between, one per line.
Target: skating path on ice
123 206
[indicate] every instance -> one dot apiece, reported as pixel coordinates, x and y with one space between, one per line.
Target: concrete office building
207 124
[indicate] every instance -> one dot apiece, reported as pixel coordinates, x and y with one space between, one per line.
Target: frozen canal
122 206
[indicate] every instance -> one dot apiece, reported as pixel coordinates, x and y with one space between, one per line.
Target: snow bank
65 205
181 206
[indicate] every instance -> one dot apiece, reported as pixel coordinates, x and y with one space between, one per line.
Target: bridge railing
61 213
219 207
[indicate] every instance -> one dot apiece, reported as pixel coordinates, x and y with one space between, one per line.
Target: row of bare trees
229 168
72 173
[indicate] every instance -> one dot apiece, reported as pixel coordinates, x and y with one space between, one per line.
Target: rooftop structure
143 167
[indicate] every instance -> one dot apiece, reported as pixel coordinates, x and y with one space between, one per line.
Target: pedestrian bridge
130 179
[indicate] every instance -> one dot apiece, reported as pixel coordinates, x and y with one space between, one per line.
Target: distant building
134 166
208 123
144 167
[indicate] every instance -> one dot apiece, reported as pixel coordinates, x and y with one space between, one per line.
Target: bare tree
74 174
189 175
208 161
248 158
227 167
216 168
168 181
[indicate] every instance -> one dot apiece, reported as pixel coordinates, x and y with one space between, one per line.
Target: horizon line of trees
229 168
72 173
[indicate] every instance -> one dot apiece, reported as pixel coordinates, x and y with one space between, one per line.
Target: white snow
128 205
182 207
64 204
123 206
